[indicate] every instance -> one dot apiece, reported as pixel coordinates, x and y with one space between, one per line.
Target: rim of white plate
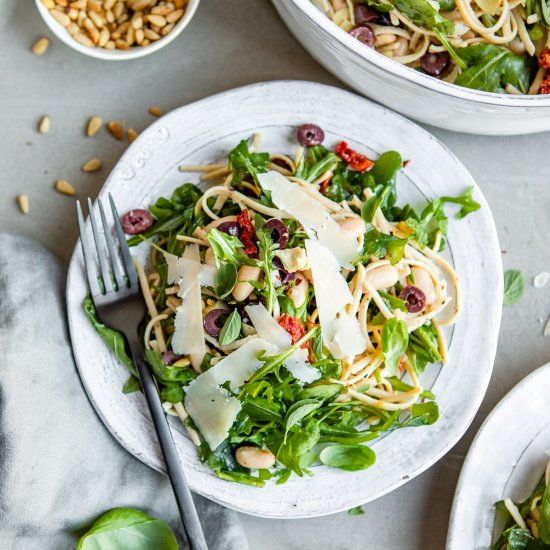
467 523
402 71
284 105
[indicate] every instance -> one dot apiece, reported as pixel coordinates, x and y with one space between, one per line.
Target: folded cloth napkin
59 467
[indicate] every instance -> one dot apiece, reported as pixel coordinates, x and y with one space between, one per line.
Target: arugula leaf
297 412
468 203
544 521
262 409
172 392
115 340
424 414
491 68
132 384
424 14
226 279
356 511
348 457
384 173
392 301
165 373
395 339
243 162
224 246
423 347
323 392
266 253
231 328
370 206
514 285
129 529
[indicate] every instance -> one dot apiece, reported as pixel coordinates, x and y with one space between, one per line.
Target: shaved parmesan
267 328
340 330
178 266
297 364
316 219
188 334
212 409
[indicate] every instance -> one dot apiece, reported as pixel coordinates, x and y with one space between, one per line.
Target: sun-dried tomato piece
545 86
295 328
324 184
248 235
354 160
544 59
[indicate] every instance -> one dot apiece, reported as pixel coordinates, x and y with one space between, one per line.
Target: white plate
506 459
206 131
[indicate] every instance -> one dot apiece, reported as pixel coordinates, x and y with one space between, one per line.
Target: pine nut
63 186
151 35
98 20
115 127
93 165
139 36
122 45
73 28
92 30
44 125
78 5
62 3
108 4
61 17
157 20
110 45
160 10
50 4
132 135
174 16
94 124
140 5
103 37
73 14
81 38
23 203
155 111
40 46
168 29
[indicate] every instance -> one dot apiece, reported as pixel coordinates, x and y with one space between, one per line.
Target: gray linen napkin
59 466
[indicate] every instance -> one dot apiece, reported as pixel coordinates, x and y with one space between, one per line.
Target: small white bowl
117 55
406 90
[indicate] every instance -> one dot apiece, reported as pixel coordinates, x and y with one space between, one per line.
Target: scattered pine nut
61 17
94 124
155 111
93 165
44 124
63 186
132 135
23 203
157 20
50 4
116 129
40 46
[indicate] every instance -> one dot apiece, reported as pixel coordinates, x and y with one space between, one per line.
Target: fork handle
188 512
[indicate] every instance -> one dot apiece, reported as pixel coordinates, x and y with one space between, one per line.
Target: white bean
354 225
384 40
243 288
382 277
423 281
254 458
298 292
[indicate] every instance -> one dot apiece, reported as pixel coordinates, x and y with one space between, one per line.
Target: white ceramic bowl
406 90
117 55
204 132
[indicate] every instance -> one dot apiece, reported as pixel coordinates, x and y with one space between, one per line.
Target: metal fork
117 297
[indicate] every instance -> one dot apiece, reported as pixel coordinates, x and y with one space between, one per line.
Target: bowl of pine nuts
117 29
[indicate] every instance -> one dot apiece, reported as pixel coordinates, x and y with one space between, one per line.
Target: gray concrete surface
232 43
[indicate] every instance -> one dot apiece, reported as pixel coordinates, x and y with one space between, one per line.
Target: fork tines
109 277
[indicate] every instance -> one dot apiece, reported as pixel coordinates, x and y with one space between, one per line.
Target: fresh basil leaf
356 511
226 279
244 162
128 529
231 329
172 392
395 339
348 457
297 412
424 14
514 285
491 68
115 340
544 521
132 384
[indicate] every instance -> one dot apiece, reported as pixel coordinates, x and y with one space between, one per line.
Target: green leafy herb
380 245
243 162
132 384
128 529
544 521
384 174
424 414
348 457
231 328
514 285
266 252
395 339
172 392
356 511
226 279
424 14
115 340
298 411
452 52
224 246
491 68
370 206
423 347
165 373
